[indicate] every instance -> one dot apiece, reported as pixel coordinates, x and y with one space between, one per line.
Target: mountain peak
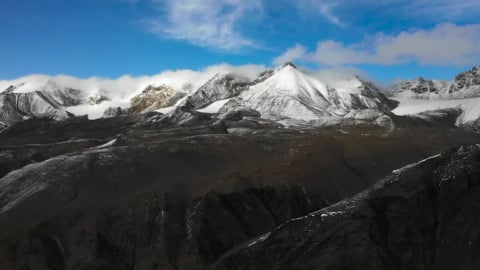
289 64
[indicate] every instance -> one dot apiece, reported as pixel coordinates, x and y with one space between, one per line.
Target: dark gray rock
115 112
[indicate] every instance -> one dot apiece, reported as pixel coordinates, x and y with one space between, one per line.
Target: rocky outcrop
468 81
153 98
115 112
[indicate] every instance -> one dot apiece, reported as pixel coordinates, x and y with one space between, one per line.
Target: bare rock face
154 98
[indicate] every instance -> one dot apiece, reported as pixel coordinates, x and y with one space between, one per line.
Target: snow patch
260 239
108 144
331 213
214 107
470 107
96 111
409 166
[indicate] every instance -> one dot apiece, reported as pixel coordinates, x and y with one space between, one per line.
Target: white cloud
127 86
444 45
324 8
207 23
121 89
331 76
291 55
339 12
440 9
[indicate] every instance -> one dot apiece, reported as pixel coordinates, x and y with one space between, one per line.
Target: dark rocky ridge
421 217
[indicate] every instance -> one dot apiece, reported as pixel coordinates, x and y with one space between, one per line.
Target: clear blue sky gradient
109 38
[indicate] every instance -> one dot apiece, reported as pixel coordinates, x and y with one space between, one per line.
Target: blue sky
383 39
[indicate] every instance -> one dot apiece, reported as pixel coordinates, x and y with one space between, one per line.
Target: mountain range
275 171
286 95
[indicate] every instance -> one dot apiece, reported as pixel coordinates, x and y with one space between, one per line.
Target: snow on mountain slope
214 107
15 107
469 106
355 94
282 94
420 95
288 94
221 86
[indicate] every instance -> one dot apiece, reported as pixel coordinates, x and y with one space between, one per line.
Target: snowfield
214 107
470 107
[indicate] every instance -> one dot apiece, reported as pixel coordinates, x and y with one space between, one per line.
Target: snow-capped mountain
465 85
15 107
289 93
63 96
354 93
420 88
422 95
286 96
220 87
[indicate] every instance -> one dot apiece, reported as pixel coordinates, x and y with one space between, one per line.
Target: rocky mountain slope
422 216
124 193
154 98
